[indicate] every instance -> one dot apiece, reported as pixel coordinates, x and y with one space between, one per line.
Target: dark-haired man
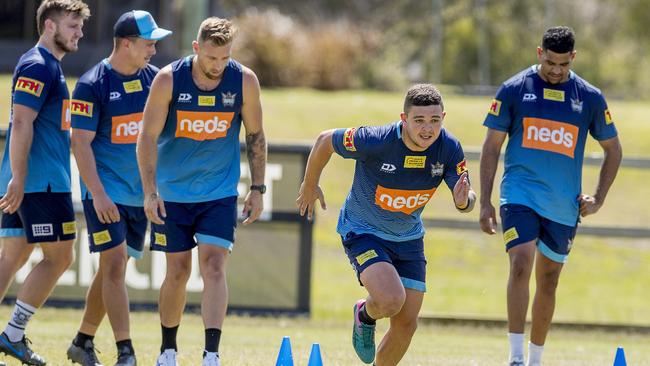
546 111
35 176
108 103
399 166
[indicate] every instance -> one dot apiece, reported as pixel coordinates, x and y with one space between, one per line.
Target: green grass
299 114
256 341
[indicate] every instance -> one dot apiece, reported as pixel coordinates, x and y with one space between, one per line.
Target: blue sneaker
20 351
363 336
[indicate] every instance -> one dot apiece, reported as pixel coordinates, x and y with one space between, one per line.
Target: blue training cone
619 360
314 356
285 358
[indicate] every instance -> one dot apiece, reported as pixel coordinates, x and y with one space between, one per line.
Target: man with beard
194 112
35 174
546 112
111 96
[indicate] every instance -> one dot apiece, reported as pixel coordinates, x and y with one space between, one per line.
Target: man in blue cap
108 103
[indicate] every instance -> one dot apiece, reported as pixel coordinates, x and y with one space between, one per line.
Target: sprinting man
36 201
399 166
108 103
188 153
546 111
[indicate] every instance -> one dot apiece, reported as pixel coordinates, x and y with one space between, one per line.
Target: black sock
212 338
364 317
168 338
81 338
125 346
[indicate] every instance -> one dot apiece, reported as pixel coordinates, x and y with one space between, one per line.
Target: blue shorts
522 224
42 217
407 257
187 224
131 227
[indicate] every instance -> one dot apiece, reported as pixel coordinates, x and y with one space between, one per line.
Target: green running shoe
363 336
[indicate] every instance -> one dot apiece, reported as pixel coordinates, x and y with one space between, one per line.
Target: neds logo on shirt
126 128
544 134
202 126
401 200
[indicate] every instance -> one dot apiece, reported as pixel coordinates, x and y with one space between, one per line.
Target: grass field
256 341
605 281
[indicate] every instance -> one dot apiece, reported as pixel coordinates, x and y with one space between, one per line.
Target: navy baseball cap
139 23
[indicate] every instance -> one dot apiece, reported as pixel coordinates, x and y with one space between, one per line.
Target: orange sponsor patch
544 134
400 200
81 108
126 128
202 126
28 85
348 139
65 115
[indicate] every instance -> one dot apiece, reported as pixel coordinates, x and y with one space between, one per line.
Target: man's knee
521 265
213 268
14 253
60 255
178 271
548 281
390 304
113 267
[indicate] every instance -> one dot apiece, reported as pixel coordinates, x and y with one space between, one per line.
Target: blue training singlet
392 184
198 149
111 105
547 128
38 83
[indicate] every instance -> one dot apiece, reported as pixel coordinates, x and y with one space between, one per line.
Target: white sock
516 346
15 329
210 354
534 354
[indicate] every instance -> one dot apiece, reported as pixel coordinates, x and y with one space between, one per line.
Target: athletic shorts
187 224
407 257
42 217
131 227
522 224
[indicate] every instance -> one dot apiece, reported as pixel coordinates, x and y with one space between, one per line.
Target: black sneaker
85 355
20 350
126 358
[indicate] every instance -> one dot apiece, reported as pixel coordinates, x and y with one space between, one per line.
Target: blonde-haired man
192 120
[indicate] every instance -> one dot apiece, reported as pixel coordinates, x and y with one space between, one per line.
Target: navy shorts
132 227
407 257
42 217
522 224
187 224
